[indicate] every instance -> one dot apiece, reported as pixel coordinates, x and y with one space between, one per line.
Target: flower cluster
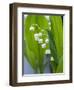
38 36
40 40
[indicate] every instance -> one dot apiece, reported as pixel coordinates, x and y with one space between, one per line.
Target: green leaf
60 66
56 42
33 50
53 51
57 31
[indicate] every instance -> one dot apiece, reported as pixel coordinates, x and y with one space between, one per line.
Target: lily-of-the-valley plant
43 43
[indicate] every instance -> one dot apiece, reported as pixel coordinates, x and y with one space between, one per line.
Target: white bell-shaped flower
36 36
32 28
40 40
52 59
47 17
47 40
40 34
43 45
49 23
47 51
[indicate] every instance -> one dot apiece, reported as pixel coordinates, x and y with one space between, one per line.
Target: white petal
52 59
48 51
49 23
34 24
47 40
40 40
43 45
36 38
31 28
40 34
47 17
36 35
